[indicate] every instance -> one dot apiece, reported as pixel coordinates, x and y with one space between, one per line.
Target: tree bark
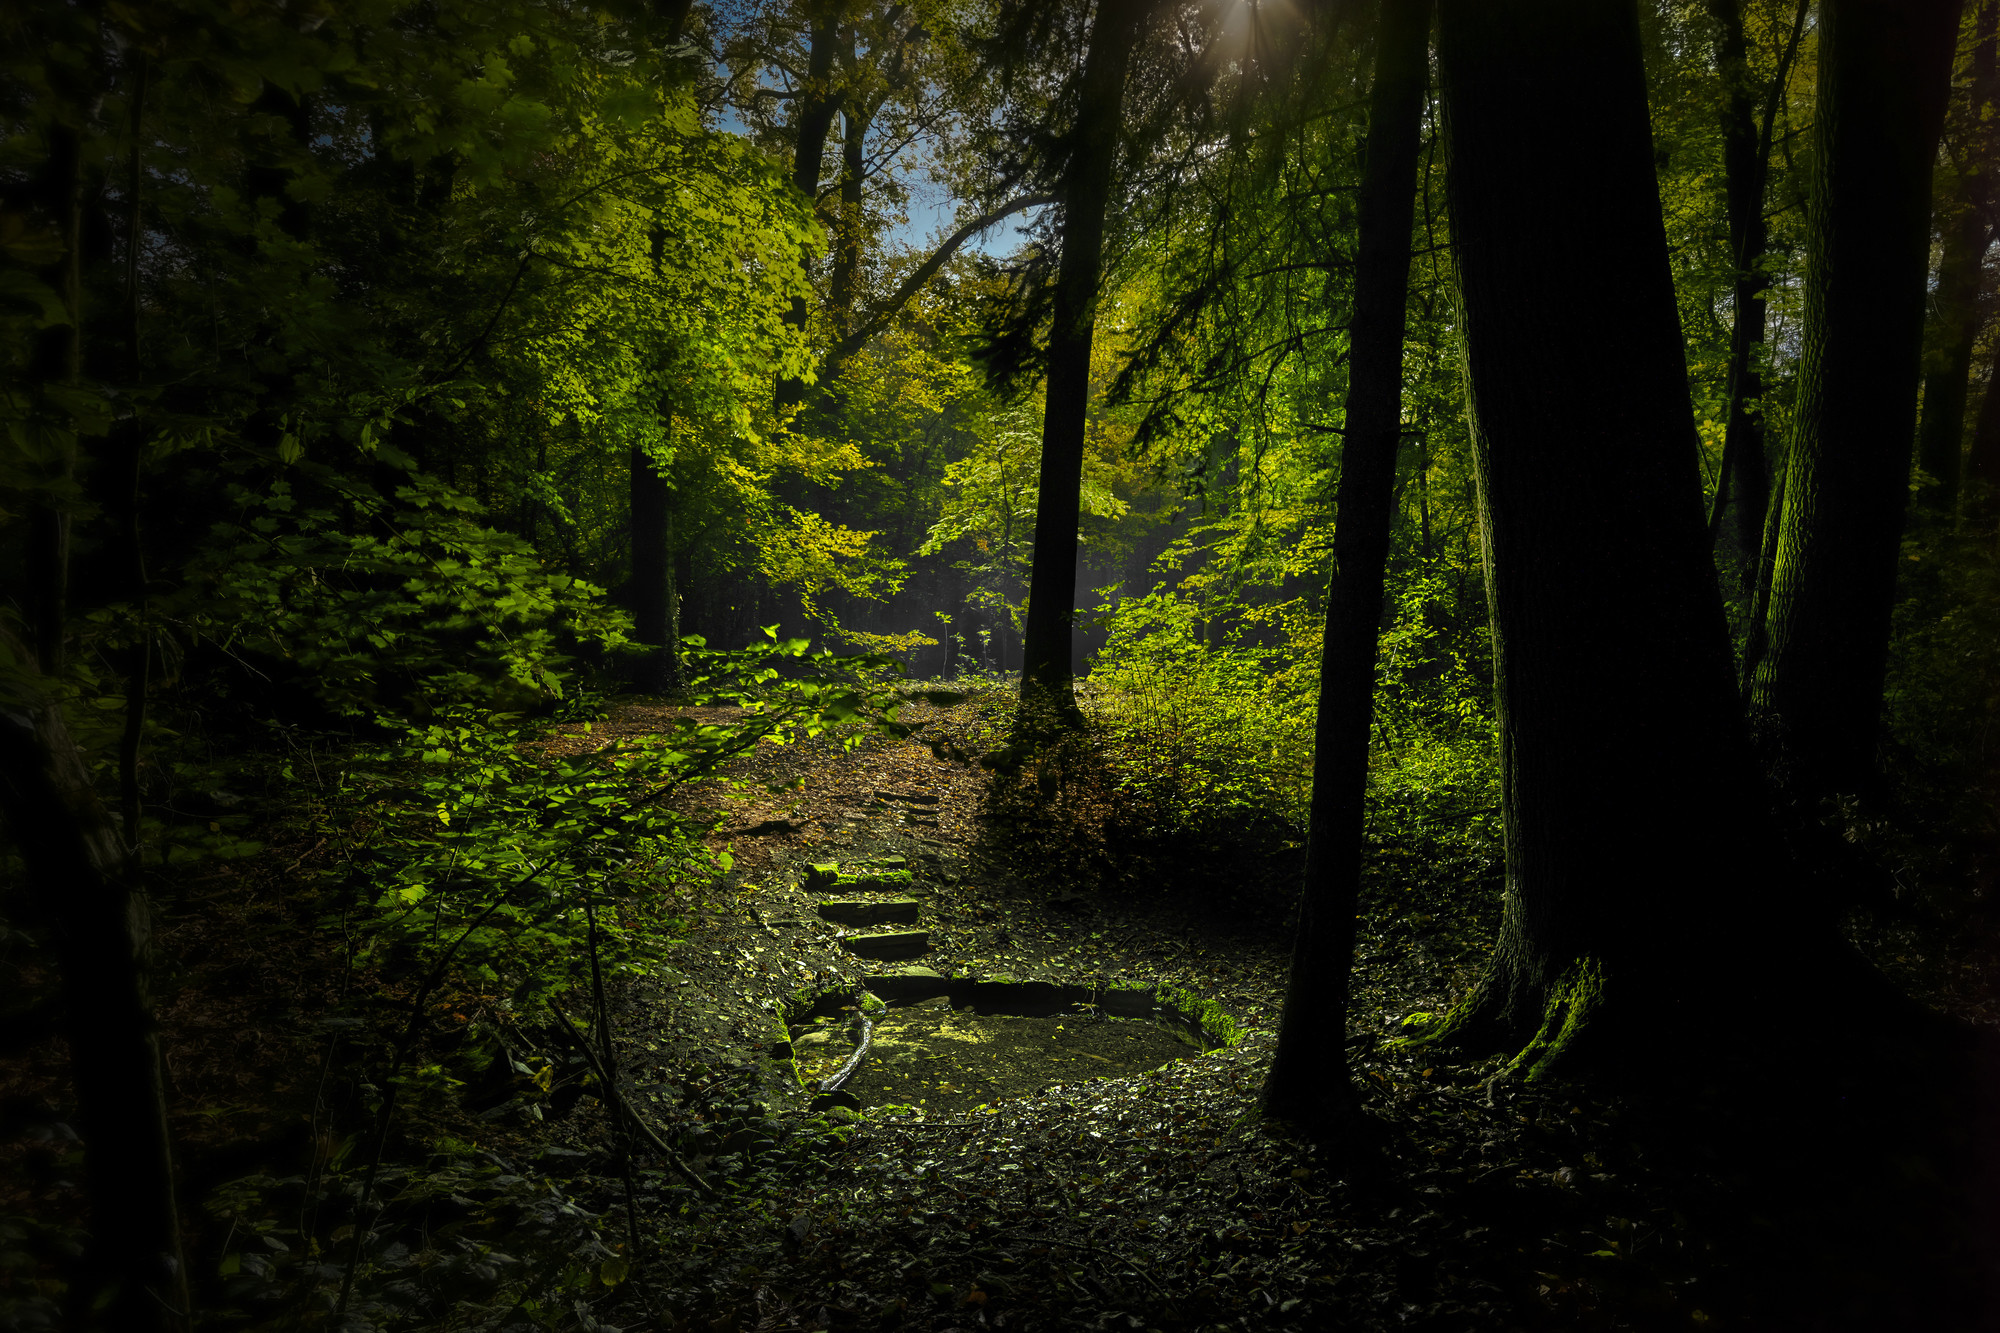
1626 770
1308 1079
845 283
1884 69
1967 235
1086 193
82 880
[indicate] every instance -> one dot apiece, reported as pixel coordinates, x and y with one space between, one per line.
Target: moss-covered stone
870 911
873 881
1217 1028
778 1045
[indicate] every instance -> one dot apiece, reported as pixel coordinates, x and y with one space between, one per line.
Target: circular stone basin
951 1052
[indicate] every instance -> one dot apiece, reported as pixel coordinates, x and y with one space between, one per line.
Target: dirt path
1151 1196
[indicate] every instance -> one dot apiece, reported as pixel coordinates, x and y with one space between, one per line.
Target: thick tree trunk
1086 193
82 881
1955 327
1625 766
1884 67
1744 489
1309 1079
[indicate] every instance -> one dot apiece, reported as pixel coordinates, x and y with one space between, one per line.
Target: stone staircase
876 898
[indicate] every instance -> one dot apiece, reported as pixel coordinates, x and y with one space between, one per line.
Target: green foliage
1202 737
1208 736
394 605
473 839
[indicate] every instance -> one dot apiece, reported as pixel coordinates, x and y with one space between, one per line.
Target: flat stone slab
888 944
870 911
907 983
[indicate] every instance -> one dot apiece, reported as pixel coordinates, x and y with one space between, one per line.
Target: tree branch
878 318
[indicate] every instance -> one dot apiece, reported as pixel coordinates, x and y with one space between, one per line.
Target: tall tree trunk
1308 1079
1754 640
818 103
1948 365
1982 456
654 591
655 597
124 461
1744 488
1967 235
82 879
1884 69
58 360
1625 767
1086 193
845 283
79 873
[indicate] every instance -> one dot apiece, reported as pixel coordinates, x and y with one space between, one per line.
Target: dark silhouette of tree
1749 120
1628 784
1085 192
1308 1081
1969 227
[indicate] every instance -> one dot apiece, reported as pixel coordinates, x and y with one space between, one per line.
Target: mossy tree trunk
1630 795
1046 639
1884 70
1309 1078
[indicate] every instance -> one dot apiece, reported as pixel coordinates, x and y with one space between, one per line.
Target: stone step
888 944
890 874
870 911
906 983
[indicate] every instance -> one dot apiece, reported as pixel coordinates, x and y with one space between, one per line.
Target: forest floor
1085 1175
